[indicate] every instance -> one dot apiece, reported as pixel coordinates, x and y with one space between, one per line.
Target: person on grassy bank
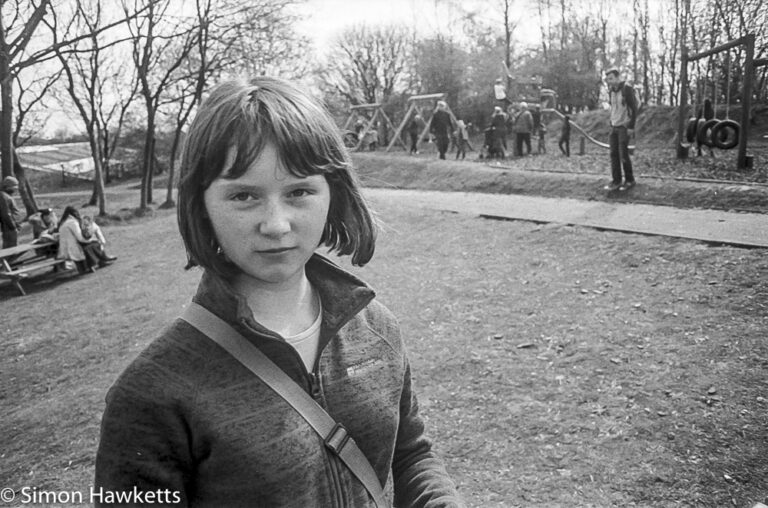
266 180
499 121
441 127
523 128
621 97
415 127
462 139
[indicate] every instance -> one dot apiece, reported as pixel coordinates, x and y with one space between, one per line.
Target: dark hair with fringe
244 116
612 70
69 211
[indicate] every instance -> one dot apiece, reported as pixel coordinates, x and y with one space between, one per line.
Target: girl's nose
275 221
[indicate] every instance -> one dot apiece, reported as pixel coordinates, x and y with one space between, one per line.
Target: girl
266 179
73 246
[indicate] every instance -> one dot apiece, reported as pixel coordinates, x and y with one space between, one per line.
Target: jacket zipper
316 385
316 392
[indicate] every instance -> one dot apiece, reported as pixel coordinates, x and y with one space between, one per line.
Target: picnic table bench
17 263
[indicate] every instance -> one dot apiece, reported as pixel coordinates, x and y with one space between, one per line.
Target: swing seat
704 132
725 135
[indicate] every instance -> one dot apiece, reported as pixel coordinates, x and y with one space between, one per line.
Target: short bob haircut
244 116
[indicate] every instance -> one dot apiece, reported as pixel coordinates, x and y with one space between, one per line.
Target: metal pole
746 100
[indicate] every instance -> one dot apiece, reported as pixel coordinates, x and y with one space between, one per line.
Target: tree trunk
94 191
151 172
25 189
6 116
98 196
169 202
147 162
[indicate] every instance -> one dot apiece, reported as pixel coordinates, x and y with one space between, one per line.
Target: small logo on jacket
361 368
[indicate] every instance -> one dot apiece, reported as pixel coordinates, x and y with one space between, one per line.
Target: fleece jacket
188 419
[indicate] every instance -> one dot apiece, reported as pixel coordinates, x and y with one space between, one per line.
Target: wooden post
428 127
401 126
746 101
682 151
365 131
396 137
582 146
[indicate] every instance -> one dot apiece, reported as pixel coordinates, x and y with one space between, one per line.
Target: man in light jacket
623 113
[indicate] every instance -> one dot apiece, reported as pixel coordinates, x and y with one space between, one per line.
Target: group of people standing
525 122
446 132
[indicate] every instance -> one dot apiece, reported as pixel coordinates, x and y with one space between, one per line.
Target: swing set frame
361 109
414 106
750 64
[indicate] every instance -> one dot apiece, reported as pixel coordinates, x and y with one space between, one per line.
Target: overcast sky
324 19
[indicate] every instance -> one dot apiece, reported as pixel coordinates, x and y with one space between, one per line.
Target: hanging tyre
725 135
690 130
704 133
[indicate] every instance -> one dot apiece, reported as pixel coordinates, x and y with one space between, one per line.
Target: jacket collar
342 294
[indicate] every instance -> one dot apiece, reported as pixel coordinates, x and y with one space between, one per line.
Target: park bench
18 263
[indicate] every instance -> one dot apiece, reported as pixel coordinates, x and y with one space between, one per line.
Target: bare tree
32 114
263 37
87 76
161 43
367 64
19 22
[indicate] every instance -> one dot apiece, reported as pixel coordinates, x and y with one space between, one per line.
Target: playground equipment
352 139
415 105
519 89
703 128
582 131
715 132
547 99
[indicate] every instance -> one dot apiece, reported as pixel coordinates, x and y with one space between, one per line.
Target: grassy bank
552 176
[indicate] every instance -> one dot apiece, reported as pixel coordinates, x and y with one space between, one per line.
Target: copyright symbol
7 495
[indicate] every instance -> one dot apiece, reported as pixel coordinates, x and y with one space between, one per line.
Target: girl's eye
298 193
241 196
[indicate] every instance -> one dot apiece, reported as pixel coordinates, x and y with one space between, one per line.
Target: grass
556 366
553 175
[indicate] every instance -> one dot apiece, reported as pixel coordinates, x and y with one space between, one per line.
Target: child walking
266 180
462 137
542 139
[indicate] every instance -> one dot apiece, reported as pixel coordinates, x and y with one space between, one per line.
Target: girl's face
268 222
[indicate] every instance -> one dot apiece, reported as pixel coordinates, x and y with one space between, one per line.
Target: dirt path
739 229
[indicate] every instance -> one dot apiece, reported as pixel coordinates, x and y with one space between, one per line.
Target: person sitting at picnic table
44 223
92 230
45 232
73 246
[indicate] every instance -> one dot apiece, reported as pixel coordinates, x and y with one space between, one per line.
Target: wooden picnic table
17 263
